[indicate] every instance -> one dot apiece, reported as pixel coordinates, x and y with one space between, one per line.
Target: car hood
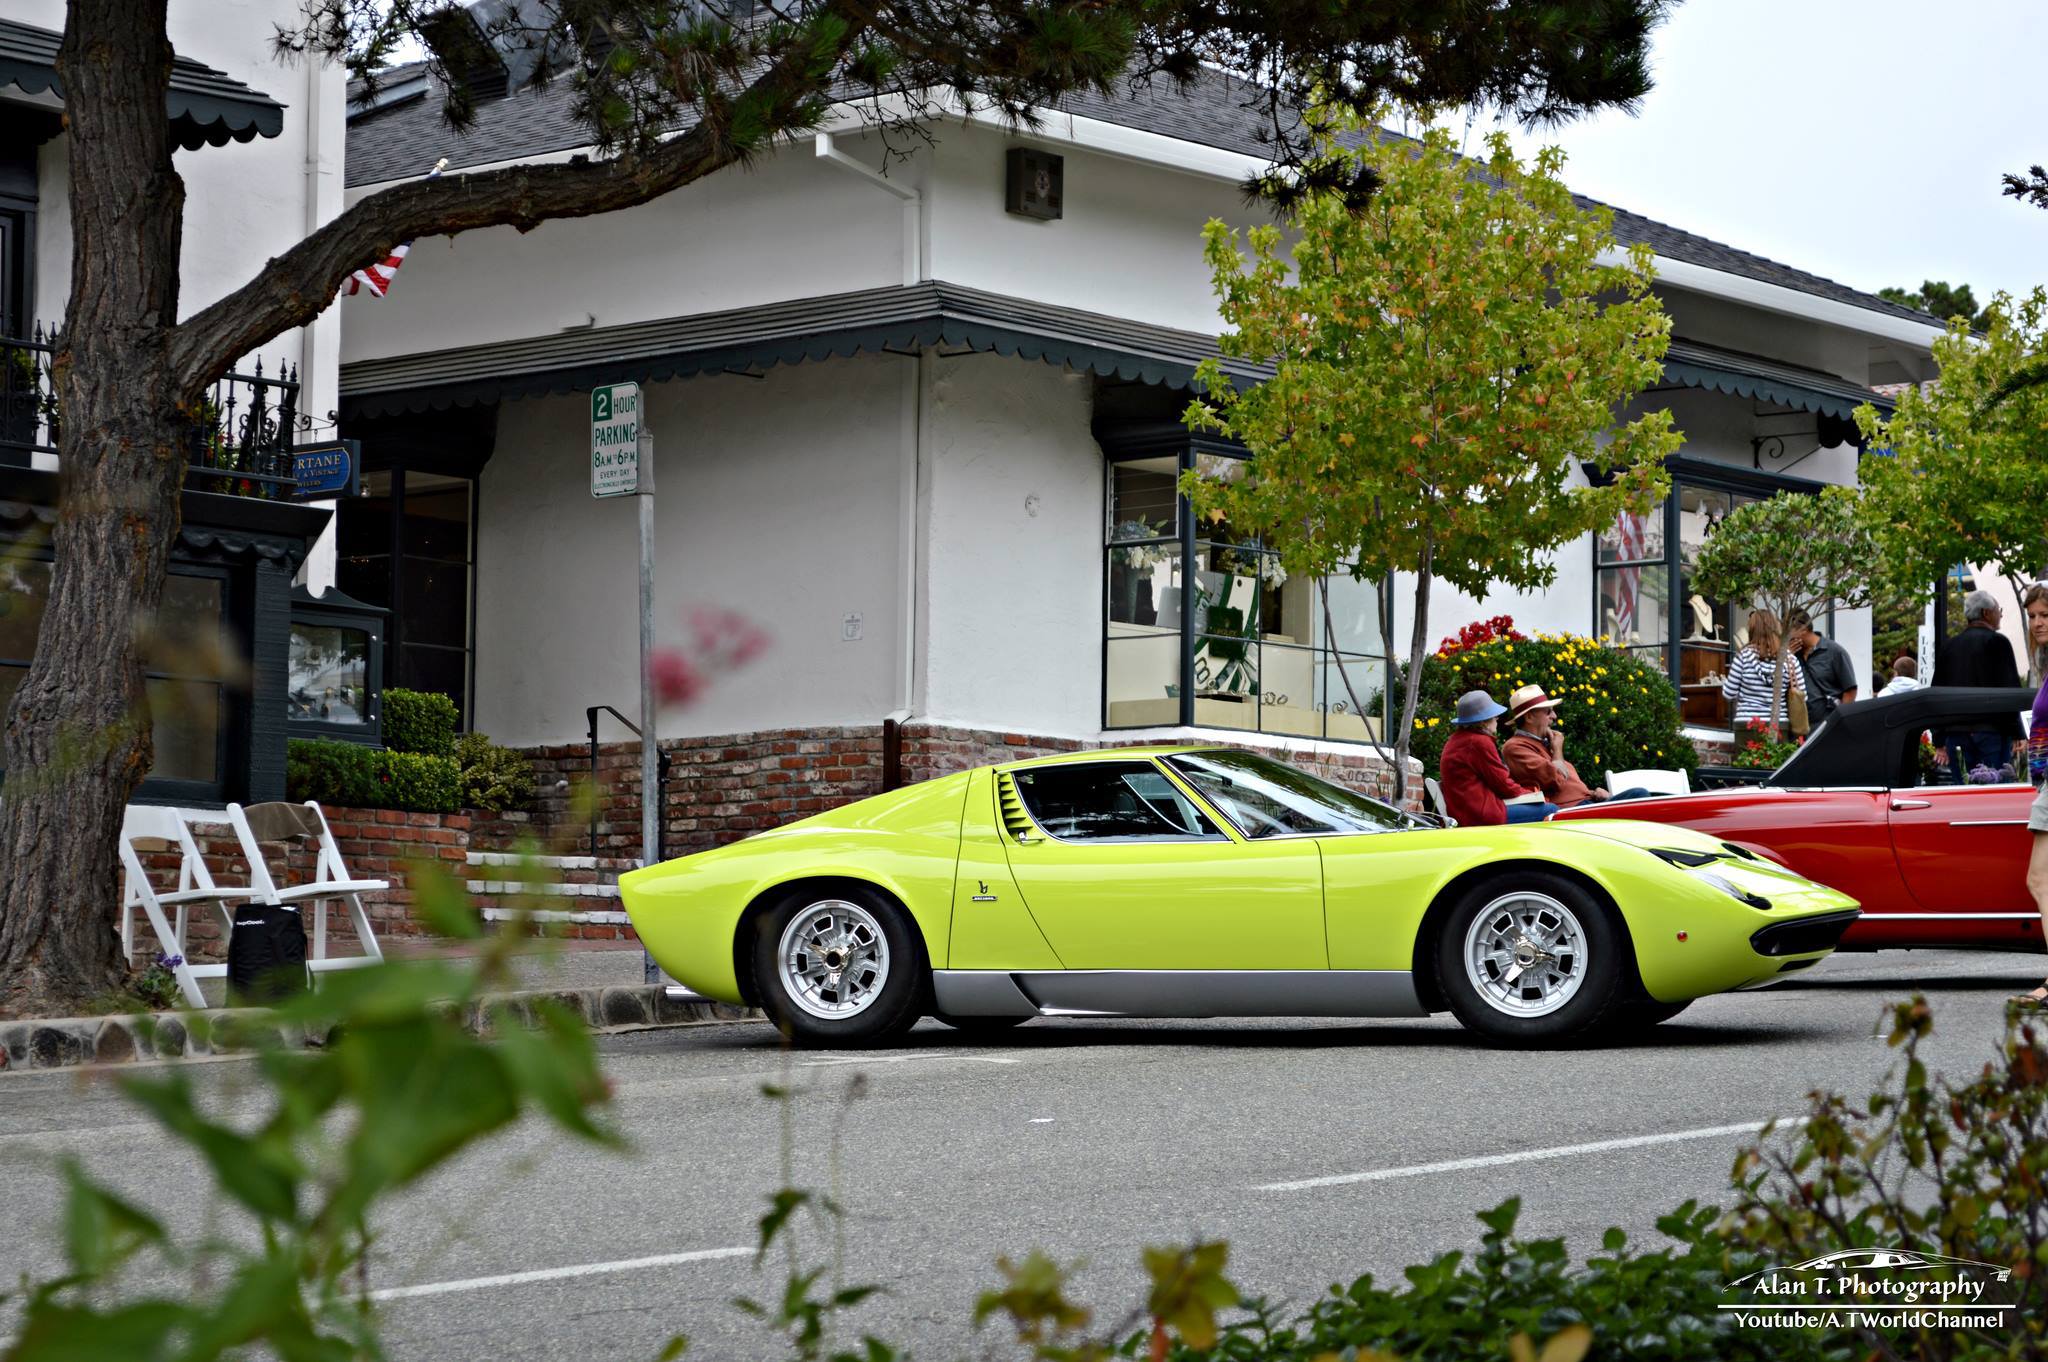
1782 886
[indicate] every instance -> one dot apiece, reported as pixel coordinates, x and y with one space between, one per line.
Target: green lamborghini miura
1212 882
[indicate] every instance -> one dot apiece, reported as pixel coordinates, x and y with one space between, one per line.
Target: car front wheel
843 966
1531 959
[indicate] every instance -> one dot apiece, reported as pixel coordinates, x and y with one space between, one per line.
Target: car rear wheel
1531 958
839 966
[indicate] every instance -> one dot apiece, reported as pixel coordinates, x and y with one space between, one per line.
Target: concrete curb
70 1042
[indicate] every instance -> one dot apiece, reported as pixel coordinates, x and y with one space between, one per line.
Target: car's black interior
1096 801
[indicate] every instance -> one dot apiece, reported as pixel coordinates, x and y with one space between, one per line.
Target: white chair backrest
1651 779
1436 795
278 822
153 827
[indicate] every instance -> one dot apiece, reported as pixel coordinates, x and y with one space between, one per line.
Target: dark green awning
207 107
905 318
1767 380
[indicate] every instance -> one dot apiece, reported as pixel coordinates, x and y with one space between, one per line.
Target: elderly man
1830 676
1535 753
1978 656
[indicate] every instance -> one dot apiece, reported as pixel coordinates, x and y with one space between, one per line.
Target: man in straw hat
1535 752
1478 791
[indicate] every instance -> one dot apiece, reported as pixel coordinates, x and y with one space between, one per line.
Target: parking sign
615 440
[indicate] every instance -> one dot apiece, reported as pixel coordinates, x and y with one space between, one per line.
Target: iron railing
660 783
239 444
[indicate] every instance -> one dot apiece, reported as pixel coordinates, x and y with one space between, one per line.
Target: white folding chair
1655 781
281 822
148 828
1436 798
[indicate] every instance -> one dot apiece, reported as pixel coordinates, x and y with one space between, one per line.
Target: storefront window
186 664
1249 640
1646 602
409 544
329 675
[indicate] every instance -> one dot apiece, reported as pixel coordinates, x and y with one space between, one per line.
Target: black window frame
1702 475
1155 440
231 736
1022 779
393 647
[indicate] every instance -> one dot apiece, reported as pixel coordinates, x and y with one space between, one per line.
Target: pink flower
675 678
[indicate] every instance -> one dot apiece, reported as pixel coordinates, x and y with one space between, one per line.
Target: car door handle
1898 804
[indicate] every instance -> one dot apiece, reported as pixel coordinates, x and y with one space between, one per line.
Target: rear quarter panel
905 843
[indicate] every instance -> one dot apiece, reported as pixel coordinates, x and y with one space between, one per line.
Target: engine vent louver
1015 820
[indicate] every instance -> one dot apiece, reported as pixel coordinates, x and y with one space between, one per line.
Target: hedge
1618 711
355 776
494 778
419 721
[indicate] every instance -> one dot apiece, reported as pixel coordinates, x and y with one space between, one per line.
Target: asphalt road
1311 1146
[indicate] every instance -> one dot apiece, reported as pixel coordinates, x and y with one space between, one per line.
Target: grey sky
1859 139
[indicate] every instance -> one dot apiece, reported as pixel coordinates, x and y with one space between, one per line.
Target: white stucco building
929 441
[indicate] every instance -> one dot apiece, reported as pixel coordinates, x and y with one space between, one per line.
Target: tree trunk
78 739
1418 649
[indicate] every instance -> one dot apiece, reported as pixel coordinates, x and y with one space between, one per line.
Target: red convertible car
1856 808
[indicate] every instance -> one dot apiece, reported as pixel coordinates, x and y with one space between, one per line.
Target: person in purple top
2037 821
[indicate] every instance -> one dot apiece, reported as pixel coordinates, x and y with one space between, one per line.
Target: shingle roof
405 140
207 107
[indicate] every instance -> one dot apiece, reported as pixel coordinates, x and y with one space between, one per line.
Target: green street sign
615 440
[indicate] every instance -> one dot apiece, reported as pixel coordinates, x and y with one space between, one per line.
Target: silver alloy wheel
833 959
1525 954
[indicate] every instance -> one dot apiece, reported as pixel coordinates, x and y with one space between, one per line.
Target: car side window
1111 801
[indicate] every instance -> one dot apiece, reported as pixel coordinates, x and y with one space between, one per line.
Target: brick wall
723 788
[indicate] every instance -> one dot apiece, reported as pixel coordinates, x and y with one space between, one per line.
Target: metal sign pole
650 757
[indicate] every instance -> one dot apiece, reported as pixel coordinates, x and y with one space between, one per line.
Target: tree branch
294 288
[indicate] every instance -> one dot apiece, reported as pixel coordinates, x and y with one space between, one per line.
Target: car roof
1860 744
1112 753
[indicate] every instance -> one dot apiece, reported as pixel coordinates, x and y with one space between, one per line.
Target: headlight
1731 890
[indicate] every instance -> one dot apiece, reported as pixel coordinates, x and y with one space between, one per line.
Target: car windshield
1267 798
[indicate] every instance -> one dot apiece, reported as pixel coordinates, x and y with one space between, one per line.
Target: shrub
493 777
1756 749
342 773
1617 710
355 776
419 721
425 784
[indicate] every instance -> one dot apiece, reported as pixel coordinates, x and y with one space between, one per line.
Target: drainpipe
912 423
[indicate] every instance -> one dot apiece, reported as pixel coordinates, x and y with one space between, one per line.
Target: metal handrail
660 781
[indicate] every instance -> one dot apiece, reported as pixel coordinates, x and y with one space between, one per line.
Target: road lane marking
901 1059
1527 1156
552 1274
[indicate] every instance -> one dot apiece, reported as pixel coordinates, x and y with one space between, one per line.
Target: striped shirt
1748 684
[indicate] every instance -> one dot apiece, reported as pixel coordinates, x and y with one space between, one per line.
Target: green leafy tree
1938 299
1446 359
1962 478
669 92
1788 553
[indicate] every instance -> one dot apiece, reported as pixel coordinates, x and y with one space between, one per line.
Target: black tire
1602 971
887 1011
981 1026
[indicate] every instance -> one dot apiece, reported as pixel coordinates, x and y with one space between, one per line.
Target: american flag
376 279
1631 542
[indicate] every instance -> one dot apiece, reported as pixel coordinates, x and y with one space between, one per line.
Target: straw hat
1527 698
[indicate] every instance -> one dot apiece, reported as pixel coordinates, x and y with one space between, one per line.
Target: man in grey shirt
1830 676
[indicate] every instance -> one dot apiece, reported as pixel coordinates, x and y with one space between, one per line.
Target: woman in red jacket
1476 782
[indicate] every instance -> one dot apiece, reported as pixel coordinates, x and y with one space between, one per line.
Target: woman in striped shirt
1753 670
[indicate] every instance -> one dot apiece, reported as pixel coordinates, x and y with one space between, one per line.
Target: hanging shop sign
333 469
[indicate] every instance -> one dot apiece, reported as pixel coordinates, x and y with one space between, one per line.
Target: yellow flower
1418 723
1433 723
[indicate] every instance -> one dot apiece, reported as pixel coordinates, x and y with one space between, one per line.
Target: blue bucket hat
1476 707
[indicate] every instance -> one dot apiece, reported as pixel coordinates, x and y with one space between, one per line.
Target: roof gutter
1789 302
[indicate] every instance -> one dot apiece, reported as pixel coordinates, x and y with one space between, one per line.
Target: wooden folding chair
151 829
281 822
